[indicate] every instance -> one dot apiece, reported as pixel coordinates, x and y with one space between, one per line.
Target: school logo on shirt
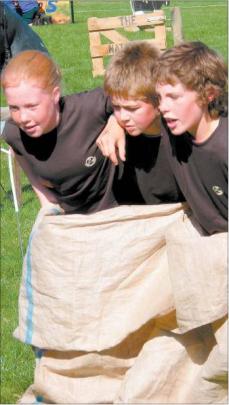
217 190
90 161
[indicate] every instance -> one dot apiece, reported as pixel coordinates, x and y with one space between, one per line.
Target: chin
177 132
134 132
35 134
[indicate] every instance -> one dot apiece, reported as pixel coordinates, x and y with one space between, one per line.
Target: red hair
33 66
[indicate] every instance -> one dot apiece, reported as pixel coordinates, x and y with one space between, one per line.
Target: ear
56 94
212 94
211 97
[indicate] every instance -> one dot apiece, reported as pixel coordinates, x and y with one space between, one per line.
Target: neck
155 127
57 115
205 129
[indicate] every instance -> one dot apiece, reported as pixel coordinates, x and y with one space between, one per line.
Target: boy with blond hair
146 176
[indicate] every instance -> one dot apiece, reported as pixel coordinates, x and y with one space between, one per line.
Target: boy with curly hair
191 81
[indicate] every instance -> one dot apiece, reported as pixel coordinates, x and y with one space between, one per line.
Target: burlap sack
85 275
198 273
98 297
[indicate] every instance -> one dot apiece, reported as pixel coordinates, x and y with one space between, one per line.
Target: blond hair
198 68
33 66
129 73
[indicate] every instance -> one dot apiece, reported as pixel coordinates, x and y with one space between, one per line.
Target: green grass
204 20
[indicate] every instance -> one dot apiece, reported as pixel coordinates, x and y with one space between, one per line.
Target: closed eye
174 96
32 106
132 108
13 108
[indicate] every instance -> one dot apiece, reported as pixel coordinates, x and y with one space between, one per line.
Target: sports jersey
201 171
68 158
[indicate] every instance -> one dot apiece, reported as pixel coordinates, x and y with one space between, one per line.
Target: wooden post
177 26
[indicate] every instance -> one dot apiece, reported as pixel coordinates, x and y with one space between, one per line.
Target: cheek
15 115
185 109
147 117
192 111
44 111
117 115
181 109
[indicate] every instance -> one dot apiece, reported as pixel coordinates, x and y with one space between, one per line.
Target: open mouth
29 129
171 122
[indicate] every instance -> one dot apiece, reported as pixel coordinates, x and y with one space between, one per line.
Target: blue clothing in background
15 35
25 5
27 9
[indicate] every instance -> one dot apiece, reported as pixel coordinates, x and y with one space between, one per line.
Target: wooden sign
107 27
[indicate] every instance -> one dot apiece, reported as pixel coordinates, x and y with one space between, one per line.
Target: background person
27 9
15 35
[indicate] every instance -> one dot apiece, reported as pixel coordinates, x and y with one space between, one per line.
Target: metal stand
72 11
15 200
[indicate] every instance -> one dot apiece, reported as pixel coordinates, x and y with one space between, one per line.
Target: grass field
204 20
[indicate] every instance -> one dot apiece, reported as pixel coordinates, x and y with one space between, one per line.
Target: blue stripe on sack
29 294
55 211
39 399
28 286
39 353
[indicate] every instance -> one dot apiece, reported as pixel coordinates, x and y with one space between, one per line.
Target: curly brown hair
198 68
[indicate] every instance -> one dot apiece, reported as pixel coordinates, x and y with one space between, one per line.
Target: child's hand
111 141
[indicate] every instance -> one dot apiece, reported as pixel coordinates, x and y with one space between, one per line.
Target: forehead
129 102
24 91
171 87
177 90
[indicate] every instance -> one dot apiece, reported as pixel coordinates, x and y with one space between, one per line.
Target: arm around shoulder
112 141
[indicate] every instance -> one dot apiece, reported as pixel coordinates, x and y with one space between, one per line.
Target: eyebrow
125 105
26 105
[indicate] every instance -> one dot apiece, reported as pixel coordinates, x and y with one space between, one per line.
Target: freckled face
135 116
33 109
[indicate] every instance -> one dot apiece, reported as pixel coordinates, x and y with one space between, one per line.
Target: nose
124 115
23 116
163 106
